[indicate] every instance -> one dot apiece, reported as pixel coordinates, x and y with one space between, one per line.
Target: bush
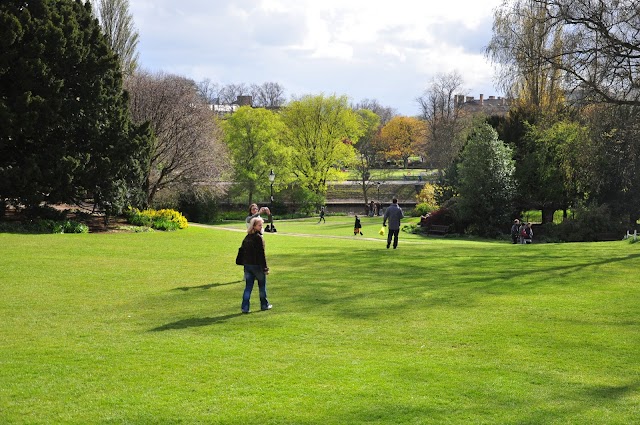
589 224
201 207
165 219
44 226
422 209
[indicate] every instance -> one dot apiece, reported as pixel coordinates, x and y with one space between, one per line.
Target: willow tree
522 36
320 130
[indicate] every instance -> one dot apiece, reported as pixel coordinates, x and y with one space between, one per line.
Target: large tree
254 140
188 148
65 133
267 95
521 37
401 137
118 26
445 124
486 182
599 53
320 132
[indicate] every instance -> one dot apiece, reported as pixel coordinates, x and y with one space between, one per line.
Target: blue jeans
251 274
393 233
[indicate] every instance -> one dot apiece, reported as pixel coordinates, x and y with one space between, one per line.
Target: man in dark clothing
515 230
393 215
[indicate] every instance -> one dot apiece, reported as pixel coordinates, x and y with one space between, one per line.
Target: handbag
240 256
381 231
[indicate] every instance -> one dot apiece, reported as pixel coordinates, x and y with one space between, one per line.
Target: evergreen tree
65 134
486 182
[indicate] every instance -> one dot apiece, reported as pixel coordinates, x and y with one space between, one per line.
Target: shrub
422 209
165 219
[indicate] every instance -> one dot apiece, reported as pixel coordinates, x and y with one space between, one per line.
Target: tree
118 26
443 139
610 172
254 140
599 53
400 137
267 95
549 175
229 94
384 112
188 150
486 182
65 133
320 130
521 37
370 123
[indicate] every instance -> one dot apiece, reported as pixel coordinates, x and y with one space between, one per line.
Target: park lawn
146 328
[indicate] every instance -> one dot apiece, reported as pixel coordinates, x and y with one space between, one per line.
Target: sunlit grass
146 328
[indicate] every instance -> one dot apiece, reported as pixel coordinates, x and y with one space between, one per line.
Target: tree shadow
208 286
195 322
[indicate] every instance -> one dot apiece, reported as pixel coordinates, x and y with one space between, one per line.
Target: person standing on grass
515 230
356 227
255 211
393 215
322 216
255 265
528 234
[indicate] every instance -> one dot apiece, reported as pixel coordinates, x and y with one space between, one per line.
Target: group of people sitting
521 232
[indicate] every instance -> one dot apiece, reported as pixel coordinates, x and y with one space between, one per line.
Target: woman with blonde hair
255 265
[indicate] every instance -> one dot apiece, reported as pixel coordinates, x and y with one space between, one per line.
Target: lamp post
271 228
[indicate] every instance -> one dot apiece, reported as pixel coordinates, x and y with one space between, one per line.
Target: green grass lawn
146 329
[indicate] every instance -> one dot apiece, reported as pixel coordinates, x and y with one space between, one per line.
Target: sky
387 50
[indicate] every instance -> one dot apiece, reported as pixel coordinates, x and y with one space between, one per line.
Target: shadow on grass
195 322
208 286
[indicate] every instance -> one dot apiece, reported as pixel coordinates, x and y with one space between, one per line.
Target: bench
438 229
410 177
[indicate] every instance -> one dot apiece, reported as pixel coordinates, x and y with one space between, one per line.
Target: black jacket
253 246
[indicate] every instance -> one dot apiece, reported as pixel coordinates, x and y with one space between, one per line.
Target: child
356 227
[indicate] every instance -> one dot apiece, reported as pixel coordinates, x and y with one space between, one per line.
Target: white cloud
375 49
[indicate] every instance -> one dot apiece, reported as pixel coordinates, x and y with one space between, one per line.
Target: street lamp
271 228
378 187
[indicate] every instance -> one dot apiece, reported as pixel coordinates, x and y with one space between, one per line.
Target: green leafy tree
486 182
254 138
371 125
320 131
65 134
551 175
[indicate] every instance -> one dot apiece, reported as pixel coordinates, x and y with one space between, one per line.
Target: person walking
255 265
393 215
515 230
322 216
356 227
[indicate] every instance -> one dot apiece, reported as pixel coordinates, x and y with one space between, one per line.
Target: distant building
226 109
491 106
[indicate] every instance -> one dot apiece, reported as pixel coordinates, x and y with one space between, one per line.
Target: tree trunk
547 214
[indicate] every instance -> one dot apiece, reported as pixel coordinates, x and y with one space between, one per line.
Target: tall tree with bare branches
600 47
188 149
117 24
444 119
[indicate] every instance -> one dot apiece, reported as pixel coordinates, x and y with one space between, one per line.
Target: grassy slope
145 328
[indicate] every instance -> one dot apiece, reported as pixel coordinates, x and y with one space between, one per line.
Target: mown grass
146 328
